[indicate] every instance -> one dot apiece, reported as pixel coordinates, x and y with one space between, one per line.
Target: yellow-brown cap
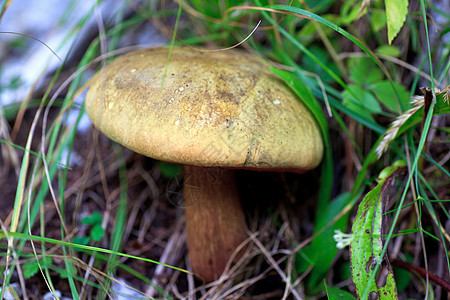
204 109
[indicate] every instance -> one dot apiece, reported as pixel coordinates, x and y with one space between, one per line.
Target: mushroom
212 112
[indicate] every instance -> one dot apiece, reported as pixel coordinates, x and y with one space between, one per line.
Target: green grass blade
121 215
23 236
338 29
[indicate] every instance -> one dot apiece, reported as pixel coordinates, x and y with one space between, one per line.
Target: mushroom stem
215 221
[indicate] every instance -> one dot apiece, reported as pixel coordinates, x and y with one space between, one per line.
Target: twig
422 272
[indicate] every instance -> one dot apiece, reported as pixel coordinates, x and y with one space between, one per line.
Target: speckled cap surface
203 109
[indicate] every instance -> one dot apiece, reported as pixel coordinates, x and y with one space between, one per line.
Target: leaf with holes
367 245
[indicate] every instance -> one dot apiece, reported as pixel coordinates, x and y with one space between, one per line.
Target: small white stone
177 122
12 287
276 102
181 89
51 296
171 100
110 105
133 70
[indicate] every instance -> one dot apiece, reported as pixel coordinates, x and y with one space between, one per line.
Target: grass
328 52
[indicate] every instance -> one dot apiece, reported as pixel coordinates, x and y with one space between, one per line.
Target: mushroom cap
204 108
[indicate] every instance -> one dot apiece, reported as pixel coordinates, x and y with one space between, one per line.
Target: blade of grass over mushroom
371 157
366 243
284 9
322 247
307 97
300 46
358 117
332 94
172 44
27 237
309 15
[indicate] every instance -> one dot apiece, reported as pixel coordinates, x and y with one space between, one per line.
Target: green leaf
384 91
388 50
364 71
81 240
365 104
323 249
324 246
403 277
396 11
94 219
97 233
69 270
366 245
378 20
338 294
345 271
349 12
31 268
